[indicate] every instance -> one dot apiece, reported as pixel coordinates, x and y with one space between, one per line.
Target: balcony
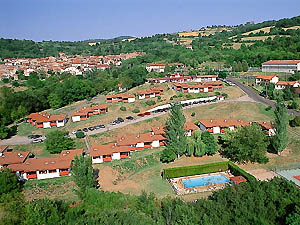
32 176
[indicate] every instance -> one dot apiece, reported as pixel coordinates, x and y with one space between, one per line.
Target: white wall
116 155
216 130
155 144
141 97
47 175
46 124
131 99
75 118
97 160
152 95
189 133
274 80
231 128
139 145
60 124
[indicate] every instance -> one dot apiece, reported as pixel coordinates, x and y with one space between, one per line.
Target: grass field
261 38
61 188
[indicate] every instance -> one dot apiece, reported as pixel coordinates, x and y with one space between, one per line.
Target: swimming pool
204 181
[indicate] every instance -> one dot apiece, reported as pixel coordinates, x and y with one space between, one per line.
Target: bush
180 95
268 108
150 102
295 122
218 93
80 134
171 98
123 108
158 98
293 105
195 170
237 171
136 110
225 95
193 114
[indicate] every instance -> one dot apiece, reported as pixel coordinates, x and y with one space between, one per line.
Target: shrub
218 93
195 170
193 114
158 98
225 95
295 122
123 108
293 105
180 95
136 110
150 102
80 134
171 98
268 108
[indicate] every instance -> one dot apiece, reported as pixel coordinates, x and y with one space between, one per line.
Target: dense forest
255 202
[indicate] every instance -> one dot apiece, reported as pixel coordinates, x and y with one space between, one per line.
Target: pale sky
75 20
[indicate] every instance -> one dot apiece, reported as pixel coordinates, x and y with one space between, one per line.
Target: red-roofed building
9 158
43 168
109 152
219 126
284 66
122 97
150 93
265 79
44 120
284 84
86 112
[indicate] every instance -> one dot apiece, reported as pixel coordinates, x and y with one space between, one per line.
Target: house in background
150 93
219 126
159 68
122 97
265 79
284 84
283 66
45 120
86 112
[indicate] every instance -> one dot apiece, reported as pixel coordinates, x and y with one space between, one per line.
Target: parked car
85 129
129 118
36 141
120 119
113 123
31 136
91 128
117 121
102 126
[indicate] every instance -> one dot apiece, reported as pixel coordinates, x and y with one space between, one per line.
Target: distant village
75 65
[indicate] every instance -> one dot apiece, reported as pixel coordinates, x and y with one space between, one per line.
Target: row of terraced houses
27 167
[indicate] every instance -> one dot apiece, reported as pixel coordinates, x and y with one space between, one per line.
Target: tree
4 132
246 144
211 146
280 140
8 182
55 101
199 147
295 122
244 66
175 131
56 141
83 174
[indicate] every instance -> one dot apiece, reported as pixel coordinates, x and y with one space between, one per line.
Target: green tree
211 146
281 139
83 174
54 101
246 144
56 141
175 131
4 132
199 147
244 66
8 182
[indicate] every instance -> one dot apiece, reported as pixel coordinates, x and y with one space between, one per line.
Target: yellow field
261 38
237 45
292 28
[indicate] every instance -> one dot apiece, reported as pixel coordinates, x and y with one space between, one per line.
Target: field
236 45
261 38
264 29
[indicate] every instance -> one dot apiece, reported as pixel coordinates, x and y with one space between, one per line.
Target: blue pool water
204 181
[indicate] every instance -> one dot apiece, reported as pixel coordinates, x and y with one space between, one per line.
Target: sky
75 20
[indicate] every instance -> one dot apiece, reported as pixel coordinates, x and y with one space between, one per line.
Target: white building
159 68
285 66
283 84
265 79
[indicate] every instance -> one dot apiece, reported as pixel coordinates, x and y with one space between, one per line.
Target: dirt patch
112 180
262 174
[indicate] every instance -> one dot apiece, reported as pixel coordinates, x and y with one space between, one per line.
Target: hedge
207 168
195 170
237 171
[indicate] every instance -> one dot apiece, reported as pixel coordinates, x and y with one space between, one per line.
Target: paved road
252 94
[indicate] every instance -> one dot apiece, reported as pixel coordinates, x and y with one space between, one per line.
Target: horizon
80 21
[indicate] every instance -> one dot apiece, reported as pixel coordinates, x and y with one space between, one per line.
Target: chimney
20 155
225 120
115 144
1 154
211 121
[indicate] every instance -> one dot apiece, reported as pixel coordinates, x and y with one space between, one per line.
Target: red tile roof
238 179
7 158
44 117
70 154
3 148
139 138
281 62
291 83
224 123
109 149
265 77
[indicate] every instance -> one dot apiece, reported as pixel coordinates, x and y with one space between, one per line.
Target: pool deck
180 189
